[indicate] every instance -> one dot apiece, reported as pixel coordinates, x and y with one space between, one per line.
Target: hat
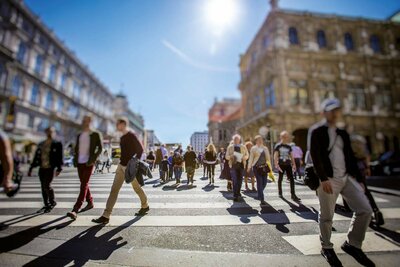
330 104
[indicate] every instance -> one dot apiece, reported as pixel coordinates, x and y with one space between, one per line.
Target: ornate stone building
298 58
223 119
43 83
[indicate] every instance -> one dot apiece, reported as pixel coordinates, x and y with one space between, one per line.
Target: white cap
330 104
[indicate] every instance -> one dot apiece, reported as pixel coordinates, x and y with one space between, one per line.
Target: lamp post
265 132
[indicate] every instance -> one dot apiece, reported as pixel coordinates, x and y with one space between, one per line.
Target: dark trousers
46 176
163 175
84 173
289 173
210 171
297 161
170 171
262 178
237 180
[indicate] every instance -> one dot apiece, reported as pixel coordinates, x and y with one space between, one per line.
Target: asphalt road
198 226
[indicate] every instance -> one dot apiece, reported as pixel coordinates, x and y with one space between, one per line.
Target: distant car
68 161
387 164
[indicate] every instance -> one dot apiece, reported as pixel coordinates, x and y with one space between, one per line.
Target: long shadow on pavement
275 217
84 247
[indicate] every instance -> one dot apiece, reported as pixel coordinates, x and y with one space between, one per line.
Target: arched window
39 64
375 43
348 42
16 85
321 39
293 38
49 101
21 52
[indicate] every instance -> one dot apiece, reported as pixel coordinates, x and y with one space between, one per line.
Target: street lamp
265 132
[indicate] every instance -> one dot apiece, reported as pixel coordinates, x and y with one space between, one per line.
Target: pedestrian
221 158
260 162
159 157
226 174
210 158
151 160
190 164
237 155
49 158
7 166
170 165
130 146
249 171
204 163
164 151
179 150
164 169
284 161
177 162
298 159
336 167
89 146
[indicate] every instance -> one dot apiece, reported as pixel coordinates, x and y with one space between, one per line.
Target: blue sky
166 55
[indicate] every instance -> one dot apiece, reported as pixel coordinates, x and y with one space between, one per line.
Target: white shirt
336 156
84 146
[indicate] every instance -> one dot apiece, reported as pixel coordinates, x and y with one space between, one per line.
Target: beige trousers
119 179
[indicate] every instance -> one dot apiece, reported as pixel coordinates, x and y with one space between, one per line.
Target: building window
63 81
257 104
253 57
298 92
76 91
73 111
31 121
375 44
49 101
57 126
16 86
293 38
21 53
356 97
52 73
43 125
266 41
327 90
60 107
383 97
321 39
348 42
39 64
35 94
269 93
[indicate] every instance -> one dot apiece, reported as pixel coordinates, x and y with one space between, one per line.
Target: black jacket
55 157
320 156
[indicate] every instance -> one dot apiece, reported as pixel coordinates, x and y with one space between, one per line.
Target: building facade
150 140
43 83
199 141
223 119
297 59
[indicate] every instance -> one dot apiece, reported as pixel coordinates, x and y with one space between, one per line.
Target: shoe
263 203
235 199
72 215
357 254
142 211
280 195
378 218
89 206
101 220
254 190
295 198
331 258
53 204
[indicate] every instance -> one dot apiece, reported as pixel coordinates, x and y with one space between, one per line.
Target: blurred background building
299 58
43 83
151 140
199 141
223 119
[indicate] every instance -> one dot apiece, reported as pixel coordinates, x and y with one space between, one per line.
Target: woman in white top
260 162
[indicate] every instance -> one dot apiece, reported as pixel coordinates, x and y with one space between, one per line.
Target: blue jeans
178 174
237 180
262 179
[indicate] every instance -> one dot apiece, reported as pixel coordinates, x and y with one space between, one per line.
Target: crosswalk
183 206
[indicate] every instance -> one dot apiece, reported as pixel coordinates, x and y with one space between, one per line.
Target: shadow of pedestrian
84 247
275 217
209 188
5 224
243 210
22 238
302 210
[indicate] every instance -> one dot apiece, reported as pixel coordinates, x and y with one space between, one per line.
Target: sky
172 58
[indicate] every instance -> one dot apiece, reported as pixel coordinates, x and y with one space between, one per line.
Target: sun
220 15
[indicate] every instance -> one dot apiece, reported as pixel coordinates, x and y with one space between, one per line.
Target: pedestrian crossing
204 206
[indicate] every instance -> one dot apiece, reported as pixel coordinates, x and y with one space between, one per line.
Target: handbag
311 178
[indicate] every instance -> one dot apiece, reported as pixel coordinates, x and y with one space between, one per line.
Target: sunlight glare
221 14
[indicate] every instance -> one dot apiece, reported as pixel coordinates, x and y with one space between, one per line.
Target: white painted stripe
164 205
310 245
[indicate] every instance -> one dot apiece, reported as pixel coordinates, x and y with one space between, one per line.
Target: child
164 169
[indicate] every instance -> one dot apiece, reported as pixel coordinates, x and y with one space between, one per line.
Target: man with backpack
336 167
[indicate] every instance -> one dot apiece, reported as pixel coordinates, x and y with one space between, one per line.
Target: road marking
310 244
